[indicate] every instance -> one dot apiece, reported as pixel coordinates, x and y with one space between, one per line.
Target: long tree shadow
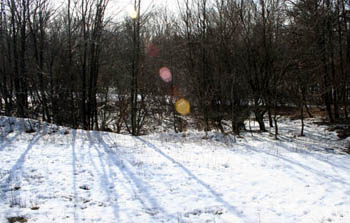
305 167
301 147
5 142
74 186
199 181
139 187
5 184
105 179
313 152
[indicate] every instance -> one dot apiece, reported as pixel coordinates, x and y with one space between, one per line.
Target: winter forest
176 111
75 65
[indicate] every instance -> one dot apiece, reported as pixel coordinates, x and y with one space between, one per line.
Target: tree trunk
276 127
260 119
302 119
270 116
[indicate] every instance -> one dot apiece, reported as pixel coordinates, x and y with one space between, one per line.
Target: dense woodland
78 66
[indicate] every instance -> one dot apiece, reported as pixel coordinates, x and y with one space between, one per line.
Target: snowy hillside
56 174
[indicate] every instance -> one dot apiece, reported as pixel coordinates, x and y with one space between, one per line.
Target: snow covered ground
56 174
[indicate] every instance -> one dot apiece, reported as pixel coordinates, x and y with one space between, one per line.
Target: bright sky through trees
121 8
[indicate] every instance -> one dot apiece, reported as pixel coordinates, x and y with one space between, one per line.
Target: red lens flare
152 50
175 92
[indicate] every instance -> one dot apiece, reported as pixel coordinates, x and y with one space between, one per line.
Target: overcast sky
124 5
121 8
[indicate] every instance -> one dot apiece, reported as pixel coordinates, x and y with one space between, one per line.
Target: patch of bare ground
17 219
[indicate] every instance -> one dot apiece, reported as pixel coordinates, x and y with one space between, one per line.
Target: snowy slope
56 174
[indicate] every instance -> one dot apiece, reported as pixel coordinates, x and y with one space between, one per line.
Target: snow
57 174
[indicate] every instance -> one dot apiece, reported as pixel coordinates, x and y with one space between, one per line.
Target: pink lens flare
165 74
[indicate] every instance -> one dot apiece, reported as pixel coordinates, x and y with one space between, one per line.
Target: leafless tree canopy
231 59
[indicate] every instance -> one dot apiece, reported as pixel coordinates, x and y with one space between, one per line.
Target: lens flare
152 50
182 106
132 12
165 74
176 92
133 15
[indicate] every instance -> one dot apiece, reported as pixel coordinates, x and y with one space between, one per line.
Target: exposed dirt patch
30 131
17 219
84 187
343 131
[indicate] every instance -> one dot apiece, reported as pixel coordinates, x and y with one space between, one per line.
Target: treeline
76 66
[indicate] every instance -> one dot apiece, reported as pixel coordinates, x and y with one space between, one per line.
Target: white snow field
56 174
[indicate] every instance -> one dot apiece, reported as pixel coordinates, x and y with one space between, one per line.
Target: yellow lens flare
165 74
133 14
132 11
182 106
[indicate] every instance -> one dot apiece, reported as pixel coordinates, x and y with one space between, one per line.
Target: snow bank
55 174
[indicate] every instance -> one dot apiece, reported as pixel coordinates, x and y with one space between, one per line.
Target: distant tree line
76 66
